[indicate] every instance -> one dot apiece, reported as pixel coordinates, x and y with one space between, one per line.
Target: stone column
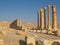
20 22
54 20
45 18
20 27
41 19
49 27
38 20
17 20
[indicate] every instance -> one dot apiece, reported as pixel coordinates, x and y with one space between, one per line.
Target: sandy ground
15 37
11 38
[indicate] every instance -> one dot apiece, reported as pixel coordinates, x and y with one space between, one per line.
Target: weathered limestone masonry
4 24
54 20
51 42
45 18
30 40
48 42
14 24
41 19
49 26
42 40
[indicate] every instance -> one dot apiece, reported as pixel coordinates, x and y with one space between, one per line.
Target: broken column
45 18
49 27
41 19
54 20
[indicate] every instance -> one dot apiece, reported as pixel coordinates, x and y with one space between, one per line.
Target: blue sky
25 9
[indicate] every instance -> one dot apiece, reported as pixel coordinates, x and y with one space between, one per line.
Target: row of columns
42 18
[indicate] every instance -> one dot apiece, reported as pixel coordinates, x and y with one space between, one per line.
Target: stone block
30 40
44 31
50 32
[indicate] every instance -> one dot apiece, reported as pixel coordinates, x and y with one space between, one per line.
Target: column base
55 29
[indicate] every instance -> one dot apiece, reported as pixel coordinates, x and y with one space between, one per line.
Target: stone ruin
42 19
15 25
31 40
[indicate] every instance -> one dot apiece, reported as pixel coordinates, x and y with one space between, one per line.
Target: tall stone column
17 20
41 19
20 22
38 20
49 26
45 18
54 20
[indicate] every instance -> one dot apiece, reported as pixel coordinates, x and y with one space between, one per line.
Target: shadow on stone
15 25
21 42
56 43
17 28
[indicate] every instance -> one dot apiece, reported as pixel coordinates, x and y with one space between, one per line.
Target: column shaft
44 18
20 22
41 19
54 20
38 20
49 17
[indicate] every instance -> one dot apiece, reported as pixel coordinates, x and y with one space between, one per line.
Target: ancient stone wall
14 24
4 24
